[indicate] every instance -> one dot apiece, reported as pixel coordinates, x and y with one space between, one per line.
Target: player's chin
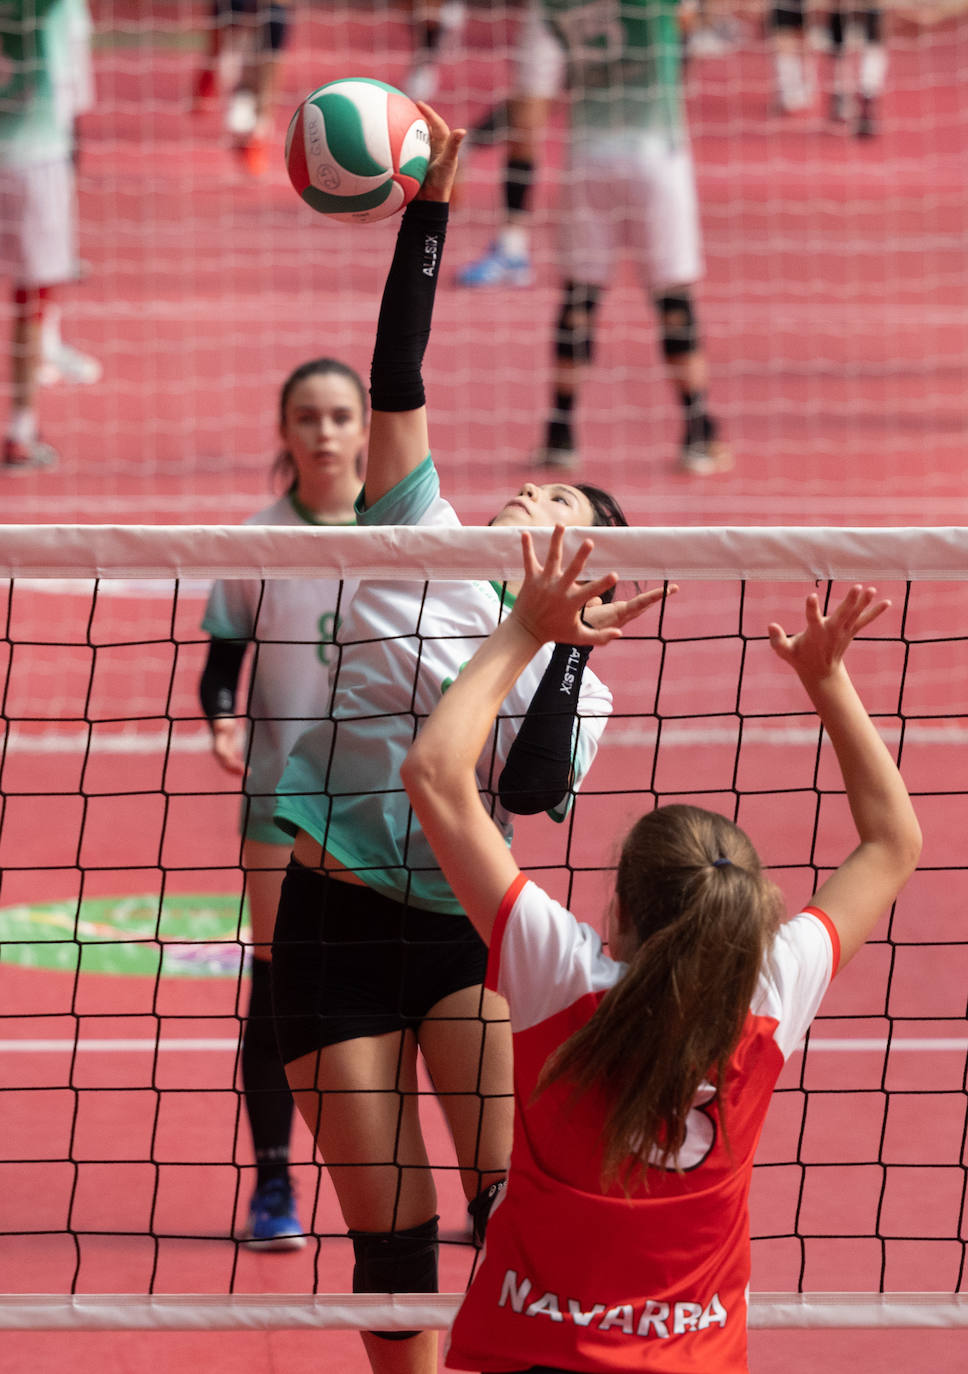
511 515
329 464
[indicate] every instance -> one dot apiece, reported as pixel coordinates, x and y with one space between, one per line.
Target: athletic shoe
64 363
839 107
705 459
205 90
254 153
561 459
496 268
866 118
18 457
273 1224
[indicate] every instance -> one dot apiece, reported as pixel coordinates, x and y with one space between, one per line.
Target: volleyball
357 150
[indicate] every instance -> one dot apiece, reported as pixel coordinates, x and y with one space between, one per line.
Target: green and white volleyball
357 150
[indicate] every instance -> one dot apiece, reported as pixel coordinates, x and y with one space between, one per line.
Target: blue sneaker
273 1224
496 268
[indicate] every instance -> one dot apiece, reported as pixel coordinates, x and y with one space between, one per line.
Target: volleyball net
125 1163
832 305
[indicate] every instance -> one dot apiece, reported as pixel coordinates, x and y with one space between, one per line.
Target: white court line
146 1045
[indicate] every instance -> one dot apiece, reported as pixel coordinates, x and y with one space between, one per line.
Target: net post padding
757 553
406 1311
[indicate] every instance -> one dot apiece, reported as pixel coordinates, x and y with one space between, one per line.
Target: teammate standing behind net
38 213
322 424
537 77
244 48
629 186
643 1076
373 958
854 95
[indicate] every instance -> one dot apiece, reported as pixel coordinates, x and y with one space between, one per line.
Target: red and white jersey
585 1280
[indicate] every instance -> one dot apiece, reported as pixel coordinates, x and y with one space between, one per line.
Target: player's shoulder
800 962
415 500
548 958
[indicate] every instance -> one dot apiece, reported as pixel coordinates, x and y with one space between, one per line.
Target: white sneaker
64 363
561 459
705 459
20 458
423 80
496 268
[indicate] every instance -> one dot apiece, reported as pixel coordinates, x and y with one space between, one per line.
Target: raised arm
399 438
869 879
439 771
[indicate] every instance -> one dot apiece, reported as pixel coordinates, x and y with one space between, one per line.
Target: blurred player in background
39 92
435 25
538 77
60 361
854 35
629 186
322 424
859 65
792 59
245 44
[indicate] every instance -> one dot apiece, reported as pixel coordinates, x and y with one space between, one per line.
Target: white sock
873 69
22 425
791 82
513 241
50 332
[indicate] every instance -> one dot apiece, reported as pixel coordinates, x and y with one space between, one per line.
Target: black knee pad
873 24
275 28
680 334
574 342
788 16
396 1262
479 1208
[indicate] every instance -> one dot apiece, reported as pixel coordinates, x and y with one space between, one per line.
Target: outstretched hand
818 649
444 148
553 605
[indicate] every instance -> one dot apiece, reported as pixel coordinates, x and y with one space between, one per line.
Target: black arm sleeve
538 771
220 677
406 309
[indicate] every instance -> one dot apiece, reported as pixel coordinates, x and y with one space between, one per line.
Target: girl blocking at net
291 626
373 959
643 1076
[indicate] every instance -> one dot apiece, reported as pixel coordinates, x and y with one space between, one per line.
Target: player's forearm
398 432
538 771
219 682
878 798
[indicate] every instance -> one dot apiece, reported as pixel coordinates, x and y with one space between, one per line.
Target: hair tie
721 863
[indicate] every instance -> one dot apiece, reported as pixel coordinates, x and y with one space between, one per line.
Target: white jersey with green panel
291 623
624 64
38 56
401 644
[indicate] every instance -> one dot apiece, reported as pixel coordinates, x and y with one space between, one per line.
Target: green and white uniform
40 69
630 183
624 63
401 645
292 624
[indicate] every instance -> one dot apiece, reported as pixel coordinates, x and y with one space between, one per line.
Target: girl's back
659 1276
